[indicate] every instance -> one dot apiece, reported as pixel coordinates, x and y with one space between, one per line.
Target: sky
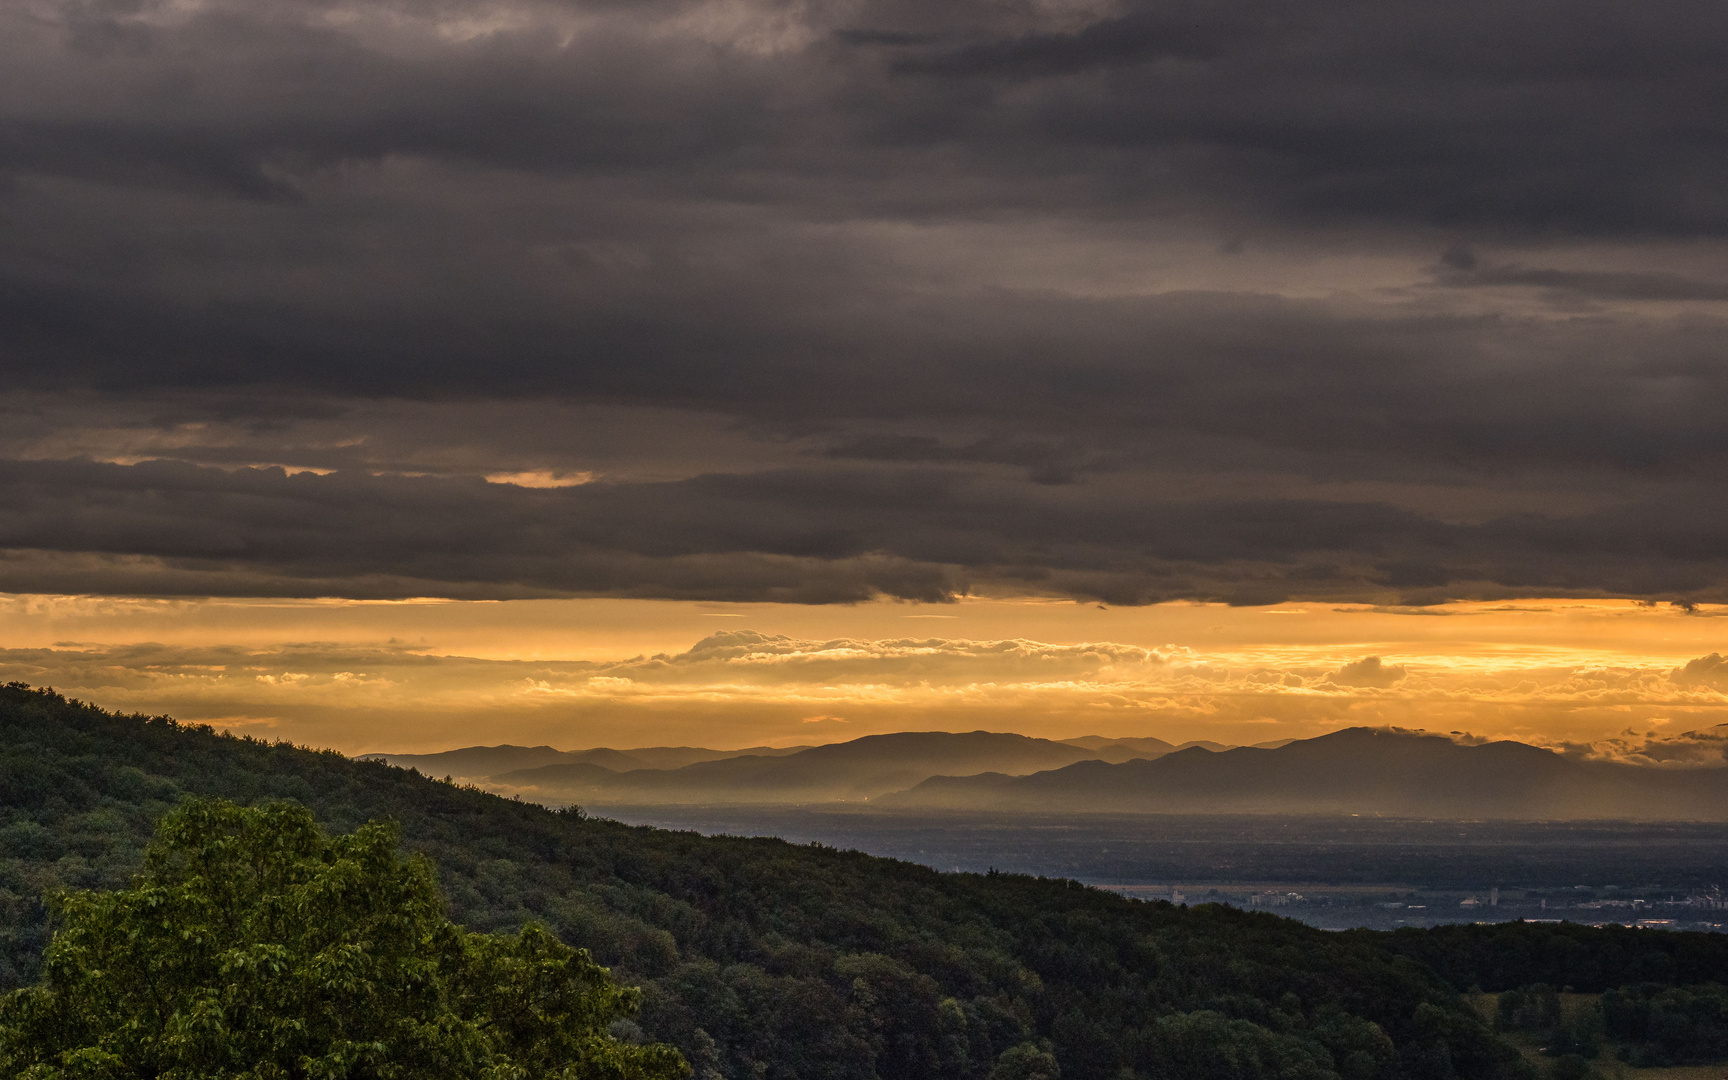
394 375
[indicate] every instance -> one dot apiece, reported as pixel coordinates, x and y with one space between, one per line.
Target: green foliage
1580 1033
1360 1050
254 947
1447 1043
763 960
1528 1008
1668 1025
1562 1032
1588 959
1206 1045
1028 1061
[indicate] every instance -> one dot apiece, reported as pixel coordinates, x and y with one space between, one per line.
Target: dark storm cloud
1058 376
251 99
1046 461
1577 116
1188 31
1590 283
803 535
943 280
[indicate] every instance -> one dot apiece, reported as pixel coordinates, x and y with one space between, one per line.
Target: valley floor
1328 872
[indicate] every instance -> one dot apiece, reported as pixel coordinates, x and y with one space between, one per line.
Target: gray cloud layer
1126 301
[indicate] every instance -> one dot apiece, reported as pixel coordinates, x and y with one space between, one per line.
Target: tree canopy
253 947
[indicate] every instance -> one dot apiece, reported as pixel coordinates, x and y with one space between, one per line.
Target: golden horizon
428 675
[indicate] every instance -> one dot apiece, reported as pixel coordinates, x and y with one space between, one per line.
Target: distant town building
1711 899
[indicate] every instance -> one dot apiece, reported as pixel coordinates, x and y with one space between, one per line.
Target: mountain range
1355 771
1372 771
855 771
479 762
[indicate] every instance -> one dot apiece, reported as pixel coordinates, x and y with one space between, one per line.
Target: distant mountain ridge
862 769
1365 771
478 762
1354 771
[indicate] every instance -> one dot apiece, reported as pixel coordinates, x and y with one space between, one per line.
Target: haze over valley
1357 828
1356 771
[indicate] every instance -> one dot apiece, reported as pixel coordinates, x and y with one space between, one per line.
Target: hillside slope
1355 771
760 959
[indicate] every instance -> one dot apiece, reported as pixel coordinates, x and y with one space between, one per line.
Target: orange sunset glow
1629 679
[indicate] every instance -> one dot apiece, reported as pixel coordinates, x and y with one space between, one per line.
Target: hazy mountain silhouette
860 769
478 762
1151 748
1142 747
1355 771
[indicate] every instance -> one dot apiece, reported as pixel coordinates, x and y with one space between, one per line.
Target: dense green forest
1648 1024
254 947
762 960
1588 959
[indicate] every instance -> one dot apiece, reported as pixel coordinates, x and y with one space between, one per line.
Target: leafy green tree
1446 1044
1528 1008
1028 1061
1360 1049
1669 1025
1206 1045
1580 1033
253 947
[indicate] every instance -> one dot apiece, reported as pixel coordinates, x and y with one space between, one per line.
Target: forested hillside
760 959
